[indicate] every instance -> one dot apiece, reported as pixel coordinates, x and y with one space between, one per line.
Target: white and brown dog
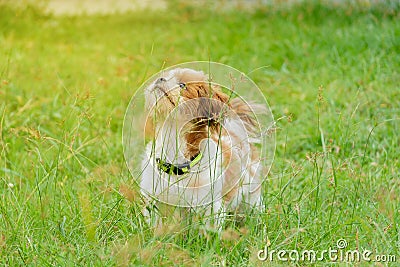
203 153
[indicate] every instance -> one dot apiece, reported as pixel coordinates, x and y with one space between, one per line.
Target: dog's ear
211 109
215 108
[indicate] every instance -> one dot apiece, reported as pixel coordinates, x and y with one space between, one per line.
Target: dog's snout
160 80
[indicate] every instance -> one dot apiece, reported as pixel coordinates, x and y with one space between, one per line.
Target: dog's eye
182 85
161 80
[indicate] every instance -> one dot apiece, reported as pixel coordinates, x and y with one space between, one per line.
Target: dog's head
187 98
187 92
196 106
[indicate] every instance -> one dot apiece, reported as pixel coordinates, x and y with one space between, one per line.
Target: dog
203 153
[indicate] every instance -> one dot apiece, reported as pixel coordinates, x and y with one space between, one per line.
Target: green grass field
331 75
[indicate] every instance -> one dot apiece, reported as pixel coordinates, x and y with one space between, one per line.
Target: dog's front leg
151 214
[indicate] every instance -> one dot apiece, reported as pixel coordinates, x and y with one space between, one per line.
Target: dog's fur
188 115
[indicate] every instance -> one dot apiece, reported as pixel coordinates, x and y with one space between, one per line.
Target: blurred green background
329 69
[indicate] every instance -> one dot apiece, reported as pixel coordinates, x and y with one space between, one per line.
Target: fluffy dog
203 154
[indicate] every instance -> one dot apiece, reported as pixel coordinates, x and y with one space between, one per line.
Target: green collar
180 168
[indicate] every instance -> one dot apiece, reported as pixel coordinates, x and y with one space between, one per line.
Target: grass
331 73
